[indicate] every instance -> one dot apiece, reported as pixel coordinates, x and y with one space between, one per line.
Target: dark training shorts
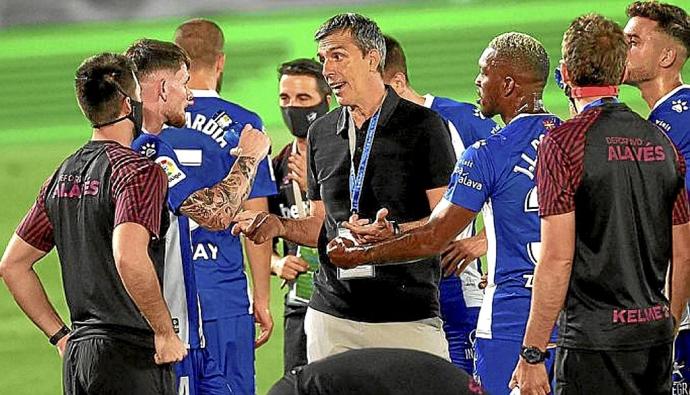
105 366
644 372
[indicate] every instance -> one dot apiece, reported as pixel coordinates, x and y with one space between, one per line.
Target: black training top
624 180
411 153
100 186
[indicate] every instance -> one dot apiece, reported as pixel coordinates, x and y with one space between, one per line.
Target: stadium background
41 122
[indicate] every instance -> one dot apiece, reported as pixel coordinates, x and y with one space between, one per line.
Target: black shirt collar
390 102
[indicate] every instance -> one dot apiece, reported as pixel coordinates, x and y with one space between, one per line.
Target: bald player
460 296
213 127
497 172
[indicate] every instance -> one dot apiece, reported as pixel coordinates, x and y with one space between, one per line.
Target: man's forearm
141 283
214 208
418 243
28 292
408 226
302 231
548 295
259 256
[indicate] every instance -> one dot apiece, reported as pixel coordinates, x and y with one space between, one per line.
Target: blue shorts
681 363
495 363
198 374
459 323
230 341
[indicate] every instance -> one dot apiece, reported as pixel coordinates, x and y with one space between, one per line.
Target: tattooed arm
214 208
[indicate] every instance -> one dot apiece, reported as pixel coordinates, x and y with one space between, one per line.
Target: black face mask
136 116
298 119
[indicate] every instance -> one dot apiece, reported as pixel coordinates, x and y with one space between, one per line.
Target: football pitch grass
42 123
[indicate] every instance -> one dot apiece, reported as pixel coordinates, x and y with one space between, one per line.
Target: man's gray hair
364 31
524 52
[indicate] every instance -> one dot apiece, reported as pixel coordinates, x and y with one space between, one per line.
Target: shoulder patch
149 149
172 171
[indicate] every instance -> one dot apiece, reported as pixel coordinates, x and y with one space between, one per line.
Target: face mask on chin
298 119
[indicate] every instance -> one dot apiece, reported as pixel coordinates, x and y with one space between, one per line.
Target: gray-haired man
390 140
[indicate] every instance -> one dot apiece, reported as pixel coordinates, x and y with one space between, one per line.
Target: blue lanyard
357 180
600 102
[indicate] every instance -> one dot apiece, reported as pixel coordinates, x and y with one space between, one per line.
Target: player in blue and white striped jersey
460 296
212 129
165 92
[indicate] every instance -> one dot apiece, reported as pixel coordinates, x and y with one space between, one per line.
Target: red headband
593 91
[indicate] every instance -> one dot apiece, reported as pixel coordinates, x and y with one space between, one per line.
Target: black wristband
64 331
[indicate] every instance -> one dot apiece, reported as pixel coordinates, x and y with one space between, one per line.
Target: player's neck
411 95
653 90
120 133
202 81
153 121
369 103
529 104
584 101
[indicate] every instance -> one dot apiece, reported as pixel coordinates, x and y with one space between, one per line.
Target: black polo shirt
411 153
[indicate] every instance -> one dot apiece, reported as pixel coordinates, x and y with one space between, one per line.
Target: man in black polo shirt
103 211
614 212
393 154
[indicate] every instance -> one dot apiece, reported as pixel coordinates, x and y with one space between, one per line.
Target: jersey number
533 248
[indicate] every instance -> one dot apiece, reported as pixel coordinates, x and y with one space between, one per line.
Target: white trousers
328 335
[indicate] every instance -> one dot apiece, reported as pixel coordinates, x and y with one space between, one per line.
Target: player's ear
508 86
565 74
328 100
220 63
668 57
163 89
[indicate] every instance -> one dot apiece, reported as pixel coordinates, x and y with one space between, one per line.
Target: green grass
42 124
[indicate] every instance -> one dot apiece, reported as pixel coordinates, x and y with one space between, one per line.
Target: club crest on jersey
148 150
679 106
174 173
549 124
222 119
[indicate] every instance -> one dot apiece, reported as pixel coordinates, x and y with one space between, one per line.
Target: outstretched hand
365 232
258 226
344 254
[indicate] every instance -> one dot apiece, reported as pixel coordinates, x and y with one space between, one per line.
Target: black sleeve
313 187
437 157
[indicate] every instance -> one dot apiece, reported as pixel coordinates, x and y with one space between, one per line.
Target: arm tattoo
214 208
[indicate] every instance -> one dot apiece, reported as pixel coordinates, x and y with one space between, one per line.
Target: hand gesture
262 318
253 142
364 232
289 267
531 379
169 348
344 254
459 253
297 164
258 226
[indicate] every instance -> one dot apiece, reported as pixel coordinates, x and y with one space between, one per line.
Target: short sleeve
36 228
437 154
555 183
313 186
681 212
471 183
265 181
139 197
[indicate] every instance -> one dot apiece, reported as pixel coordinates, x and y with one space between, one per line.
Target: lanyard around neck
357 180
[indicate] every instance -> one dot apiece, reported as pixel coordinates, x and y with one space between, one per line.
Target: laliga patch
174 173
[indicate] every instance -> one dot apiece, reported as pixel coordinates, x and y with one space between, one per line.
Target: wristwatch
62 332
533 355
